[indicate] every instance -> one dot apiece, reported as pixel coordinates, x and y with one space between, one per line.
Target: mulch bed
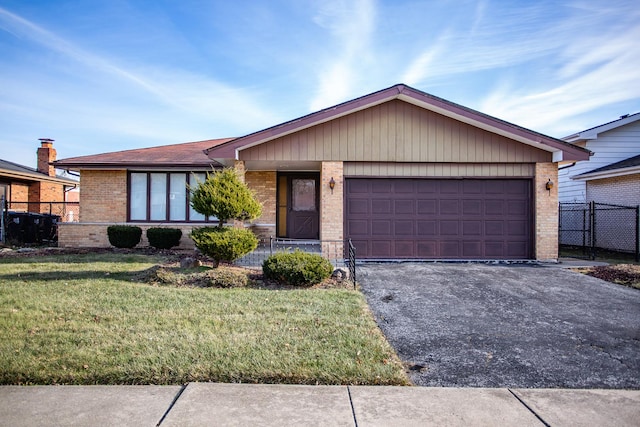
624 274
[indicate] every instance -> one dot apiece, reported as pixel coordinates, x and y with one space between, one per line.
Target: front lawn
87 319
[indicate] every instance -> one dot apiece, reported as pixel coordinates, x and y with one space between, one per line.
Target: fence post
637 233
593 222
2 212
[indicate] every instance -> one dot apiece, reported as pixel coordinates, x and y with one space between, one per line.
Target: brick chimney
46 155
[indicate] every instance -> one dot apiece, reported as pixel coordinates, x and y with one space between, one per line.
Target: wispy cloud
351 26
601 68
177 89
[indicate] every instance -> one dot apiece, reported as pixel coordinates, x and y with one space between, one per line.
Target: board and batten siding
610 147
441 170
395 131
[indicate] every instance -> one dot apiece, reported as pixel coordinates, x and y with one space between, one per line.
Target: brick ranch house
404 174
34 190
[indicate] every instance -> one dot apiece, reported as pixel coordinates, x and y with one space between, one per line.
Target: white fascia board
594 132
607 174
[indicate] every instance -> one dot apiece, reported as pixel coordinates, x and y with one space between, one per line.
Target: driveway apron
521 326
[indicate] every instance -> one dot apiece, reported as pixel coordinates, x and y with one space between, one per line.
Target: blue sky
100 76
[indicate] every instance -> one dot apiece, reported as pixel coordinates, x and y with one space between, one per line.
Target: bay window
163 196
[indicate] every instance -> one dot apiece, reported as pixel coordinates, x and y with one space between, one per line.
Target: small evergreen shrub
226 278
124 236
297 268
163 237
224 244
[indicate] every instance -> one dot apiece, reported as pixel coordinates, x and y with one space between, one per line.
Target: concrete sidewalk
208 404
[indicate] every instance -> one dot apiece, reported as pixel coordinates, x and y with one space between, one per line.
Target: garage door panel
380 206
450 249
381 249
403 186
358 228
516 207
427 186
472 207
439 218
404 207
494 207
494 249
381 227
449 187
449 207
517 249
449 228
471 228
381 186
427 206
427 228
494 228
357 206
516 228
404 248
427 249
472 249
403 228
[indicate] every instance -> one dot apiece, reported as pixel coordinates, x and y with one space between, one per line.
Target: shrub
224 244
224 196
226 278
297 268
164 238
124 236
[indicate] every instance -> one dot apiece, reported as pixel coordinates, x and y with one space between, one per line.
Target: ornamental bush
163 237
124 236
224 244
224 196
297 268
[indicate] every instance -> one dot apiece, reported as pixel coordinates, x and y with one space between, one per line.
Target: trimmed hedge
224 244
163 237
297 268
124 236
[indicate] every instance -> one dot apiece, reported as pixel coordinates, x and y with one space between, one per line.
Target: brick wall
263 184
94 235
103 197
19 193
546 212
331 204
621 190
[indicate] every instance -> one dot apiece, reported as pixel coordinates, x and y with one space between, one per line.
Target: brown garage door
439 218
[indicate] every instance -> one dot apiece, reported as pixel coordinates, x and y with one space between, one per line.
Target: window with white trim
163 196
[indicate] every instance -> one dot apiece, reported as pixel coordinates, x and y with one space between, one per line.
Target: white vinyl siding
610 147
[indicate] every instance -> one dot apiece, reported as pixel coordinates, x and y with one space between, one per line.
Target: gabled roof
185 155
561 150
593 132
624 167
19 172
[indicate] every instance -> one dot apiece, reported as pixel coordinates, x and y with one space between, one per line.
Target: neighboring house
34 190
403 174
612 175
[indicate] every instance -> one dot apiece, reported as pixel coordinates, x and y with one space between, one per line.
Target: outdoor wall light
549 185
332 184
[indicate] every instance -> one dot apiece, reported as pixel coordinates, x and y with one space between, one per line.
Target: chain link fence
591 227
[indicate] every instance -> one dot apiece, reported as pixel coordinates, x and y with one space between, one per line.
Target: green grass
85 319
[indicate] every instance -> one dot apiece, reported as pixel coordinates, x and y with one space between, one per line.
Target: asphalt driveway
523 326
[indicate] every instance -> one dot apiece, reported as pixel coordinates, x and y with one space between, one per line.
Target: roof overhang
595 131
590 176
561 150
36 178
